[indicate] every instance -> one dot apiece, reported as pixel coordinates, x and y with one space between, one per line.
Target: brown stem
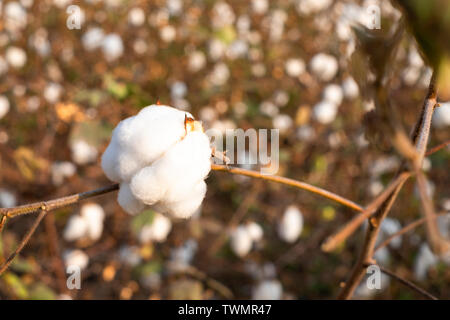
407 283
24 241
404 230
437 148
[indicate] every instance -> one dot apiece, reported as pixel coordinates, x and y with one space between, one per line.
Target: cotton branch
419 139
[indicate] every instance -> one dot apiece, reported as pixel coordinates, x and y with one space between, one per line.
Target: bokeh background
285 64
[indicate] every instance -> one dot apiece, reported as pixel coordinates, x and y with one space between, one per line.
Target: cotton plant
88 225
76 258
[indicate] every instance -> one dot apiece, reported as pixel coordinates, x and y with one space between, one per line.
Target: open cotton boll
268 290
425 259
112 47
129 255
255 231
92 39
4 106
160 158
76 228
76 258
16 57
241 241
350 88
291 224
157 231
294 67
325 112
7 199
389 226
324 66
82 152
94 216
62 170
333 93
441 116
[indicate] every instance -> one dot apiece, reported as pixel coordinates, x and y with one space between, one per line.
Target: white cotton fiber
86 225
241 241
159 161
157 231
291 225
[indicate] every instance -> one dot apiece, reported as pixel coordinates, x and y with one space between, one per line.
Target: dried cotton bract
160 157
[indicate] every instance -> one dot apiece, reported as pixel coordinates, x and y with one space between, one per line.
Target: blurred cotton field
290 65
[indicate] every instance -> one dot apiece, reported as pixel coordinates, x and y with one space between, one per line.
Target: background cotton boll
128 201
94 216
52 92
157 231
168 33
441 116
241 241
62 170
325 112
112 47
382 256
82 152
424 260
220 74
280 98
7 199
93 38
129 255
197 61
76 228
4 106
282 122
295 67
223 15
255 231
268 108
268 290
350 88
178 90
291 224
76 258
333 93
136 17
16 57
175 7
260 6
15 16
324 66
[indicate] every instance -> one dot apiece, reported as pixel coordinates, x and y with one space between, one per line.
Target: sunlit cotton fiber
160 158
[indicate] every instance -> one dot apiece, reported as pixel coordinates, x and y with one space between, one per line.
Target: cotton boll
268 290
294 67
129 255
157 231
268 108
425 259
62 170
181 257
76 258
389 226
197 61
82 152
220 74
128 201
223 15
255 231
112 47
441 116
280 98
168 33
75 229
241 241
94 215
333 93
4 106
260 6
186 207
324 66
178 90
15 16
7 199
291 224
282 122
52 92
16 57
93 38
350 88
325 112
175 7
136 17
